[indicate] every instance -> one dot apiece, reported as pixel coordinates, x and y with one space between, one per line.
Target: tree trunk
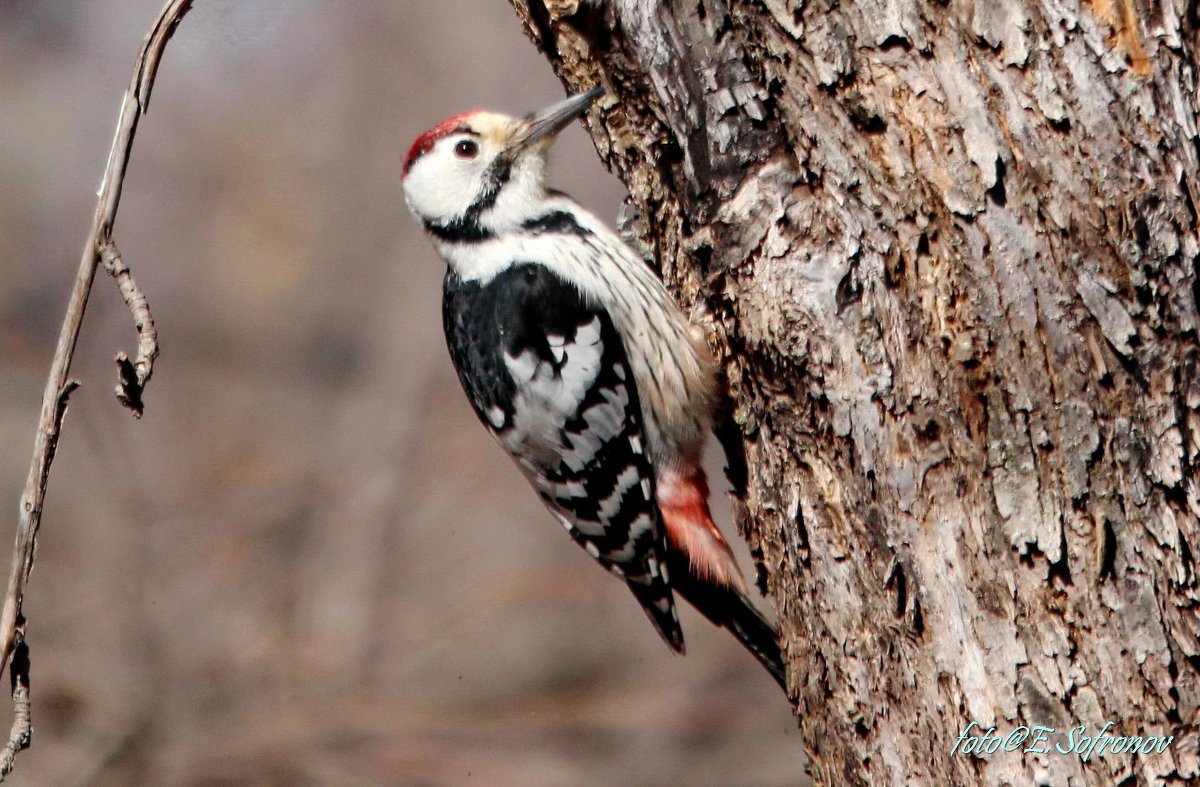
948 256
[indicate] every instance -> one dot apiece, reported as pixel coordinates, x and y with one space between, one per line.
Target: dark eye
466 149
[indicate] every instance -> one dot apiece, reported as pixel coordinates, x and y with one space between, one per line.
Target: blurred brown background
307 564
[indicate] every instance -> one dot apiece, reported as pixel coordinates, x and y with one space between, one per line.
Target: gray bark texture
947 253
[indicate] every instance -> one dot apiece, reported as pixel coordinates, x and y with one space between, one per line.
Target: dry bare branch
54 399
132 375
22 727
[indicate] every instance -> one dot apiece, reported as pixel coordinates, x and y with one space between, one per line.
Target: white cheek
439 193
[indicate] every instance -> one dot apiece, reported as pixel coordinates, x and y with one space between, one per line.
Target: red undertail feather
683 501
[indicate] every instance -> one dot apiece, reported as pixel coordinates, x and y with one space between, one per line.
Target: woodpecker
579 363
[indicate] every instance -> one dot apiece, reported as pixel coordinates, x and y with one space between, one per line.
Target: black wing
548 375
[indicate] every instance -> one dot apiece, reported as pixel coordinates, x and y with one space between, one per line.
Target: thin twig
22 727
132 376
58 387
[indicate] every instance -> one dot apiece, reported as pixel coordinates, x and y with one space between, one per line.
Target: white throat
523 197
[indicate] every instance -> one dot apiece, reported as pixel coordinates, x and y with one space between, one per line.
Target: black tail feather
728 608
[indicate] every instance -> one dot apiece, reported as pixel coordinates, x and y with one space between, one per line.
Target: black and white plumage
578 361
547 374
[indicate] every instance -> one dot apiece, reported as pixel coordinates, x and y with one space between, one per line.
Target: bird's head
483 168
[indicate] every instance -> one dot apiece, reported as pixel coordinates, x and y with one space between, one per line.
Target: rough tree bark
948 254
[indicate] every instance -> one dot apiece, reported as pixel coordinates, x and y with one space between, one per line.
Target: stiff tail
703 569
727 607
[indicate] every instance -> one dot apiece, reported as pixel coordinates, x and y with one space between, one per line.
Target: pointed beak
553 119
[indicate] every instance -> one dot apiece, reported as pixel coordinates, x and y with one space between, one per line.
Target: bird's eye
468 148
